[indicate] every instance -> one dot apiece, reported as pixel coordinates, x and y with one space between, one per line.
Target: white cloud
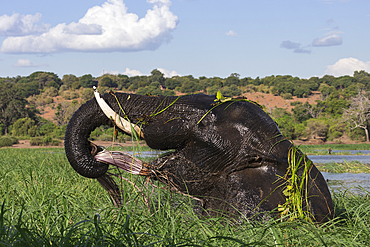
231 33
24 63
21 25
346 66
132 72
104 28
168 74
330 39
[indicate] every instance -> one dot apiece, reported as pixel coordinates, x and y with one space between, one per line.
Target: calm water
348 151
336 181
352 182
322 159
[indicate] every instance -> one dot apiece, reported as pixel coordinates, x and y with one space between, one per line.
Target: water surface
351 182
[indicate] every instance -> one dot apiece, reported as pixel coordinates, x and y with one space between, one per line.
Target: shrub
6 141
44 141
287 96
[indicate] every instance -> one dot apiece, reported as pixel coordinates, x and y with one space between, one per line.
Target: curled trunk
77 146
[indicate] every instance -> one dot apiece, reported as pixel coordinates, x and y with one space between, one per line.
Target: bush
44 141
287 96
231 91
7 141
24 127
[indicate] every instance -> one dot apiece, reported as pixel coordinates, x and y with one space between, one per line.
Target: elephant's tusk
121 123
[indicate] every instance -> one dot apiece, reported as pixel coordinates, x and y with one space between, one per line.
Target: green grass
45 203
323 149
351 167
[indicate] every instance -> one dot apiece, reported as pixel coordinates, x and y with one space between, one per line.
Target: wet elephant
230 155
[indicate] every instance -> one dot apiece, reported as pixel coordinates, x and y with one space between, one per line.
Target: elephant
228 153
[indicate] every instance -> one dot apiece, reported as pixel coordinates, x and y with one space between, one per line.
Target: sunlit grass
351 167
46 203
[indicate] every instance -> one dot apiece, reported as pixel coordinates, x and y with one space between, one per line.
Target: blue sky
209 38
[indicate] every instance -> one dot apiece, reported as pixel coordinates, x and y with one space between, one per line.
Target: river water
322 159
350 182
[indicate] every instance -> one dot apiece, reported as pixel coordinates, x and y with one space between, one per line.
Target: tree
24 127
12 105
65 111
358 113
68 80
107 82
86 81
317 128
157 76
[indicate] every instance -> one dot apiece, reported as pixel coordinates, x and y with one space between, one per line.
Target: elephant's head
231 154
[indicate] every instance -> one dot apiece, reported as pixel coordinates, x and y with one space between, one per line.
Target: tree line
342 110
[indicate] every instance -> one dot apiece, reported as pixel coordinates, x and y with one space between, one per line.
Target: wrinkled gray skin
231 160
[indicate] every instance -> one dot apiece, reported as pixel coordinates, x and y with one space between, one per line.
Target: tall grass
350 167
45 203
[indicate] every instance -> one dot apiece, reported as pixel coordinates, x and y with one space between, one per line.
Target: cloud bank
106 28
21 25
133 72
346 66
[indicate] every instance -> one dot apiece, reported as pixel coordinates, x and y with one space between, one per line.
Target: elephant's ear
77 146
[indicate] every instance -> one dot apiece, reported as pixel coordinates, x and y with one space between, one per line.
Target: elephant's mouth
124 161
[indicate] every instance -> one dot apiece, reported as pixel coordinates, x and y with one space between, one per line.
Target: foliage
24 127
7 140
65 111
295 187
106 81
317 128
337 93
44 141
12 105
232 90
345 167
87 81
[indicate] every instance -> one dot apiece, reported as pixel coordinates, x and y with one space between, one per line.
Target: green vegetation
44 202
295 187
342 111
351 167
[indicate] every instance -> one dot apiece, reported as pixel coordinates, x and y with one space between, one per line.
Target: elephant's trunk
77 146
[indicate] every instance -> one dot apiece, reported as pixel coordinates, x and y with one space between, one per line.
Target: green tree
46 79
232 90
233 79
68 80
12 105
301 113
106 81
157 76
24 127
87 81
